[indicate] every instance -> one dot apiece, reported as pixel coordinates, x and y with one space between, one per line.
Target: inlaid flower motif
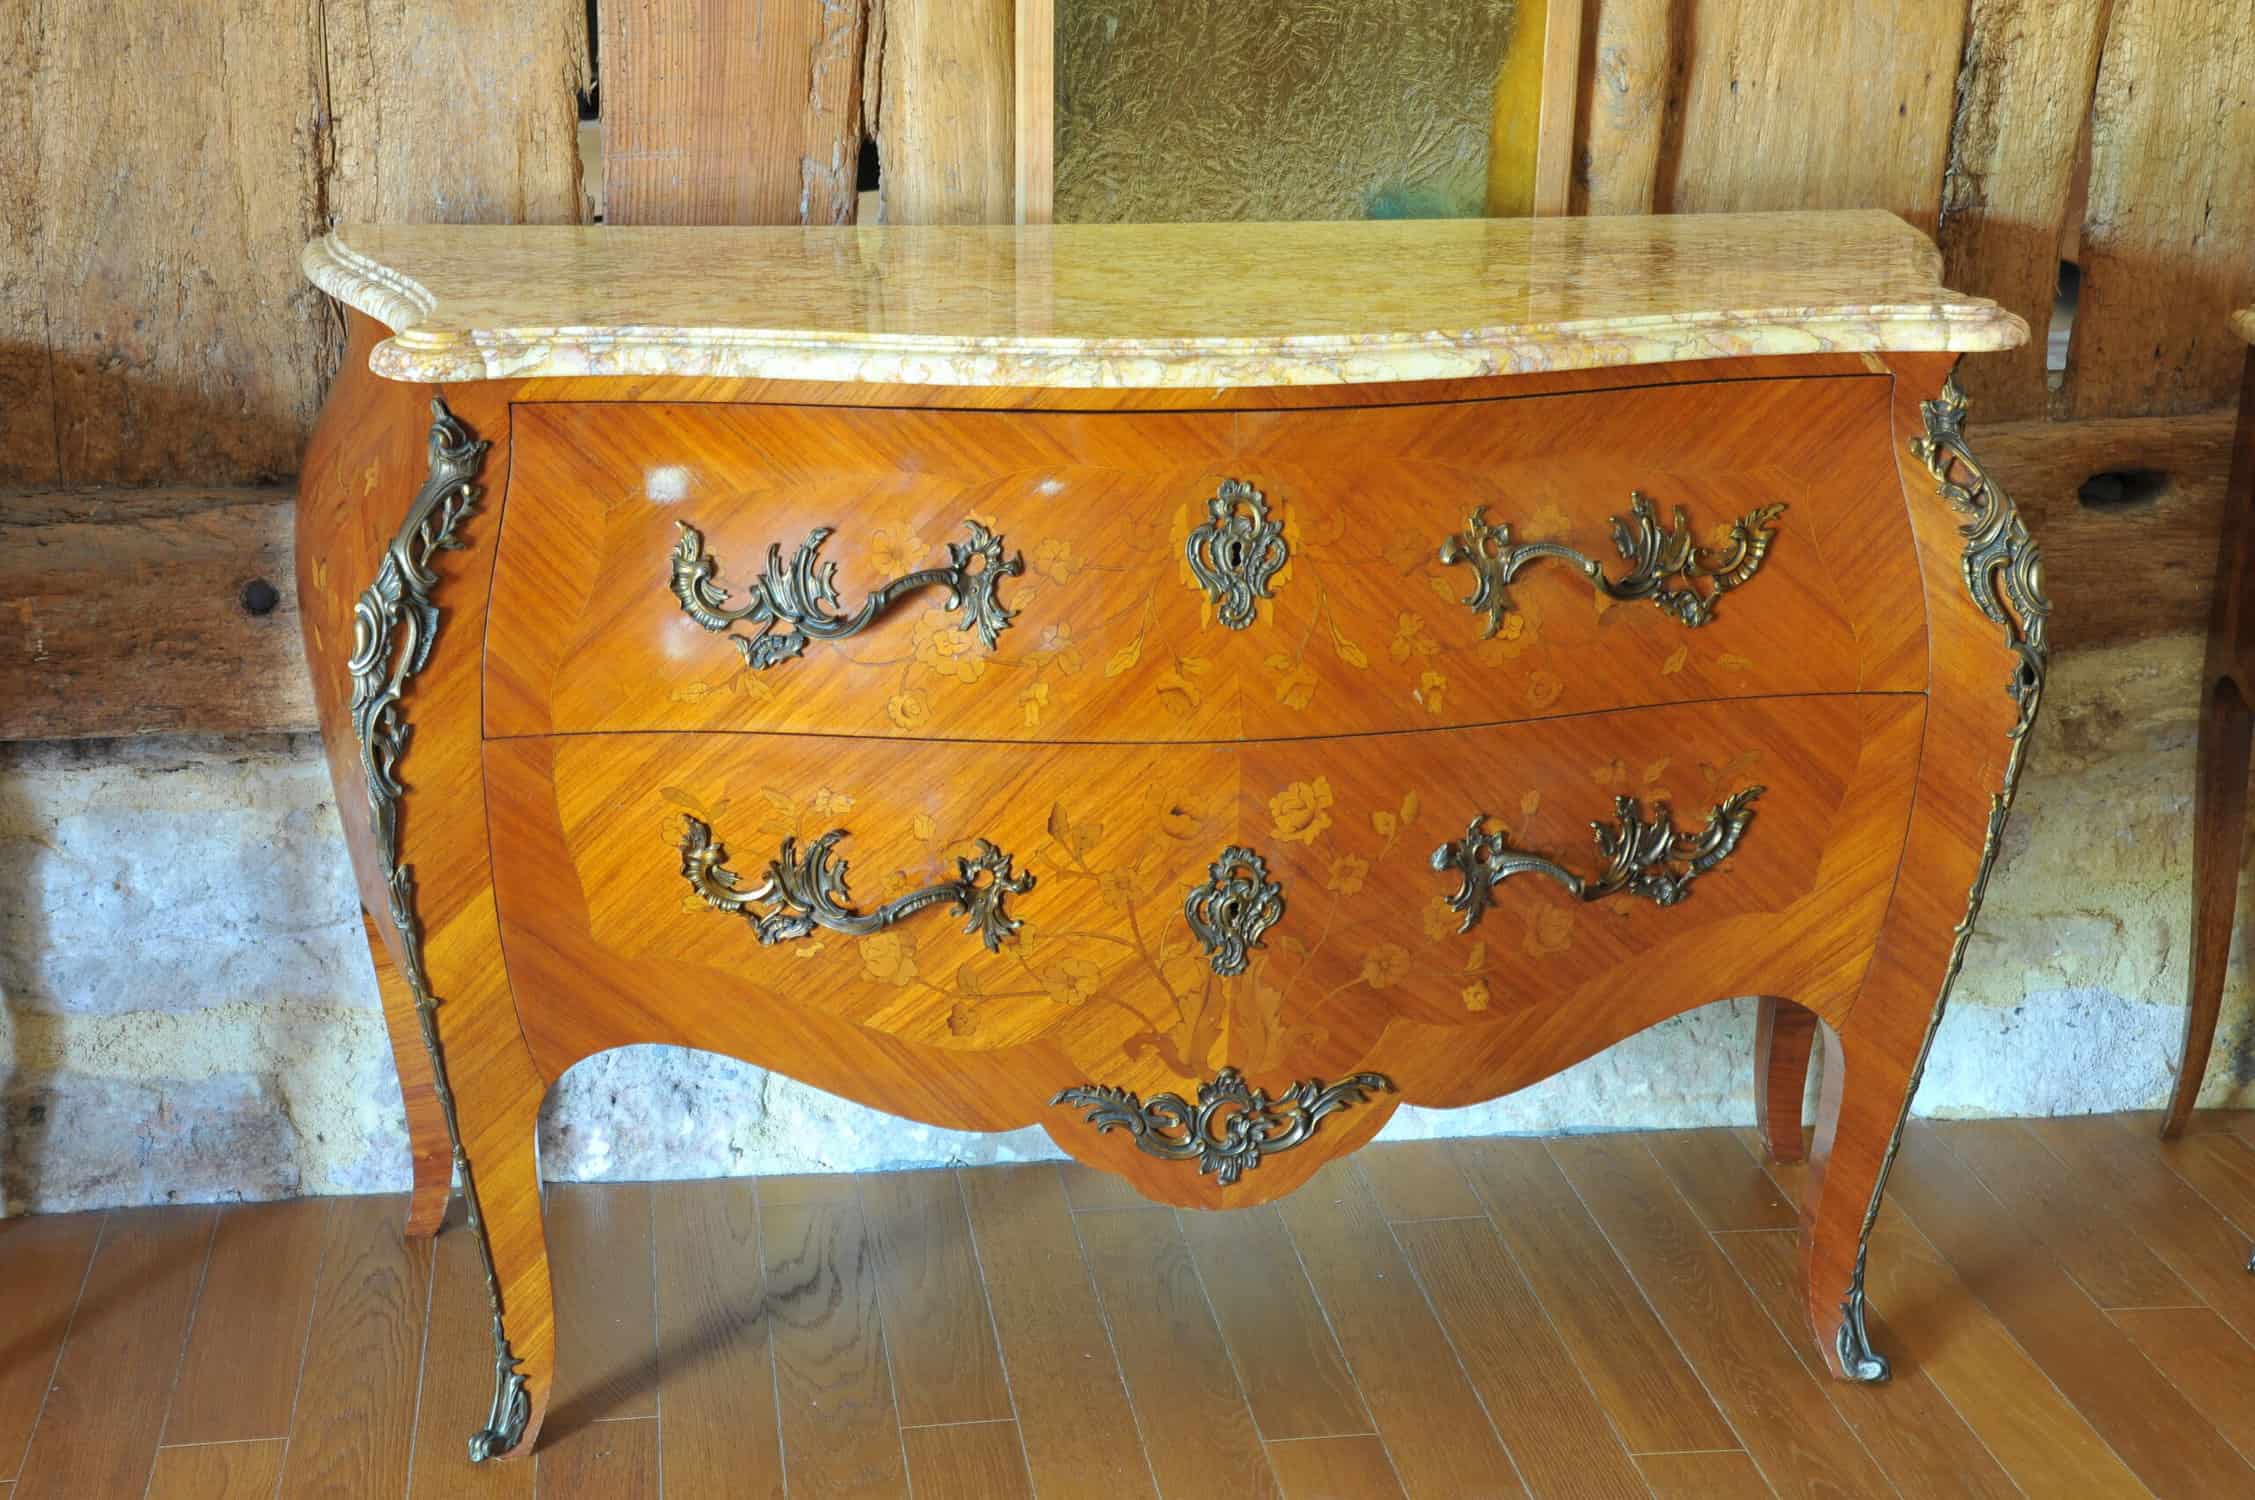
1056 645
1543 689
1119 887
909 709
945 649
1033 700
1054 559
1410 638
1070 981
1550 929
1432 691
1438 918
885 957
1520 629
1385 966
1476 995
1301 811
1295 681
893 553
827 801
1348 872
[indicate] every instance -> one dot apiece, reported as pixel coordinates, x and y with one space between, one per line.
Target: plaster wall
189 1012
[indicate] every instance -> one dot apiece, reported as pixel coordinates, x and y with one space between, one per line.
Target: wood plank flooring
2065 1303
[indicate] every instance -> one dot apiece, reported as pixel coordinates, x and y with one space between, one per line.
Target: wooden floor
2064 1301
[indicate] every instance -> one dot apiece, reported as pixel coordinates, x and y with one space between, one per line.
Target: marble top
2243 323
1146 305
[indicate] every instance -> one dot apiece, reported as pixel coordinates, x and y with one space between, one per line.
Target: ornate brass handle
803 596
1641 856
809 891
1236 551
1654 554
1231 1127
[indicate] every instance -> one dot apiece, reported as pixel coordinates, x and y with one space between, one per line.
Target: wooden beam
1554 119
122 612
731 111
2140 568
1034 123
2023 94
945 148
2171 218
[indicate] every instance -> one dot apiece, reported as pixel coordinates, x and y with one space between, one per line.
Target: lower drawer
1435 907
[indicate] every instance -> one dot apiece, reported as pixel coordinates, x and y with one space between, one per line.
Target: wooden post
1554 128
1034 122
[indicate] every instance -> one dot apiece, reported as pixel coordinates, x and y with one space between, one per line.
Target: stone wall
190 1014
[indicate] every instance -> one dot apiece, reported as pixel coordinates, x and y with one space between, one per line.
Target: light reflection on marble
1146 305
2243 323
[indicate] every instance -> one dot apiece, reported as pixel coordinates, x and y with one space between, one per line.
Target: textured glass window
1276 109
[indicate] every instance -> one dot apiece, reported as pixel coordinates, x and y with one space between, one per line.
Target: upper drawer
1197 576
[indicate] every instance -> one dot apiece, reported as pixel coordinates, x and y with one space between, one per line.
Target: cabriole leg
429 1155
1865 1095
1783 1035
500 1124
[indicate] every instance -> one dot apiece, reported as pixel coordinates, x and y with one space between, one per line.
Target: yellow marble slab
1146 305
2243 323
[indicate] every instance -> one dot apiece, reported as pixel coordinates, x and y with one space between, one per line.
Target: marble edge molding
441 355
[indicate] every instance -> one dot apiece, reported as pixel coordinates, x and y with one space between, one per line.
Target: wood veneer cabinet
1254 675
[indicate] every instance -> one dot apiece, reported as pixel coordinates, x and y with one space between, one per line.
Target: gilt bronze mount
1231 1127
806 891
804 595
1644 856
1654 553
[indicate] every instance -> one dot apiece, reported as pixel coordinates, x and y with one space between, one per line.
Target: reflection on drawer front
959 932
1196 576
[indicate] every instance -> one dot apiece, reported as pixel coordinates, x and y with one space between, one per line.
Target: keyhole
1229 910
1236 554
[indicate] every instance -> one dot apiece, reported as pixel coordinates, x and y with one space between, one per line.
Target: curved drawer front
992 928
1197 576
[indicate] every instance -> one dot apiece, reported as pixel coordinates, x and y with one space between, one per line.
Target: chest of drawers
1193 687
